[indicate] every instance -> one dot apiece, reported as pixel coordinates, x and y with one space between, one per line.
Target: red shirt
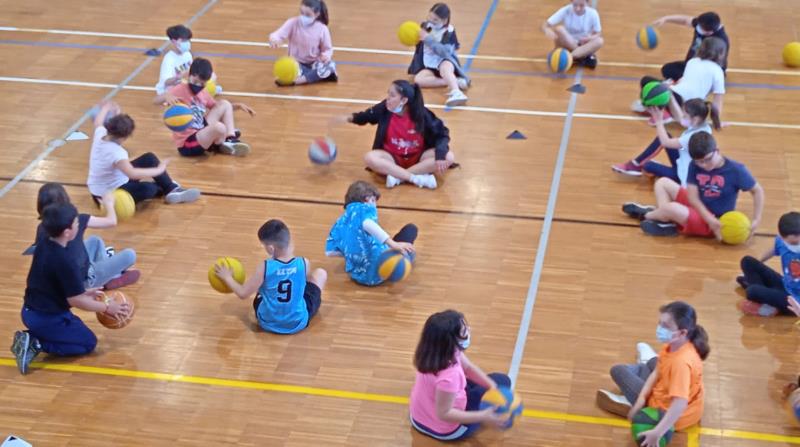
402 139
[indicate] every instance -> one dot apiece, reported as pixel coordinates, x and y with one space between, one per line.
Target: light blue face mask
663 334
464 343
399 109
306 21
184 46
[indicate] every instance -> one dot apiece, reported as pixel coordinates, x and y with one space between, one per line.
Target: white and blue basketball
322 151
647 38
559 60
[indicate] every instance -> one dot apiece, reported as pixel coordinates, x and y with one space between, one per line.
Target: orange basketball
111 322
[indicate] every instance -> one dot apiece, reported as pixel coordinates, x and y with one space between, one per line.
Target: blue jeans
61 334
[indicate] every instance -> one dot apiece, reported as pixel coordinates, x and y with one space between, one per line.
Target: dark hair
319 7
50 194
789 224
416 104
438 342
442 11
201 68
274 232
179 32
713 49
686 318
701 144
120 126
360 191
702 108
709 21
58 217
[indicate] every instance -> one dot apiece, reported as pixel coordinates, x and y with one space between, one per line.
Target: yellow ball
735 227
124 204
408 33
286 70
211 87
231 263
791 54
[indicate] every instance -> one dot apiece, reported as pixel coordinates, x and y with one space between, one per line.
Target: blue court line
544 238
474 50
541 74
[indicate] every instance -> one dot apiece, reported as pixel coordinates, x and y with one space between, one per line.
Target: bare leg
426 79
382 162
588 48
318 277
667 209
222 113
427 163
448 71
564 39
214 133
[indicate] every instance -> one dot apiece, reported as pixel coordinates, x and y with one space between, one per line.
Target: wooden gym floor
193 369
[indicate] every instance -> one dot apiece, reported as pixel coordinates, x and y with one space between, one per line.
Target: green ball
646 419
655 94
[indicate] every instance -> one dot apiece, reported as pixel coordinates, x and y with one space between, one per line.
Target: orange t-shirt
680 374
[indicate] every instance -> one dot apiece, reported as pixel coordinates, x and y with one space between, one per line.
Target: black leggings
673 70
765 285
161 184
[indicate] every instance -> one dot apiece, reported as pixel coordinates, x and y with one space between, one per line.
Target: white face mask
464 343
794 248
184 46
306 21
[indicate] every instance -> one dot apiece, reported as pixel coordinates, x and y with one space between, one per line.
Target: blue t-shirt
283 309
359 248
719 188
790 263
54 277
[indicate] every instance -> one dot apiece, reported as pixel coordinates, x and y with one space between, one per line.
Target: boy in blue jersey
289 295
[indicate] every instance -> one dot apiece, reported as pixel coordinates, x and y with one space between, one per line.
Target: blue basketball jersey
283 309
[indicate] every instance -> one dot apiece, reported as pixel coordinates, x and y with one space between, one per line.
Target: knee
90 343
220 129
320 276
129 255
450 158
663 183
599 42
747 262
150 158
501 379
370 157
224 103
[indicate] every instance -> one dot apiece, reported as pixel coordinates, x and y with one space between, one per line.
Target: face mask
196 88
663 334
437 27
399 109
794 248
686 122
184 46
306 21
464 343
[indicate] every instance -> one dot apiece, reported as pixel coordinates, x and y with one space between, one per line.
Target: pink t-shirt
422 404
200 105
306 43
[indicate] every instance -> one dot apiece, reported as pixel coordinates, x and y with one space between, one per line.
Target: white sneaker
638 107
456 98
180 195
613 403
392 181
463 83
424 181
235 148
644 353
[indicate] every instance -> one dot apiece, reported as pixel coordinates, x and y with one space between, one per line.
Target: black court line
395 208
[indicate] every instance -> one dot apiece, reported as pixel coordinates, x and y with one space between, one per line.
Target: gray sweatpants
103 268
631 378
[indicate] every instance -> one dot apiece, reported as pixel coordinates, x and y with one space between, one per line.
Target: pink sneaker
667 119
125 279
757 309
628 168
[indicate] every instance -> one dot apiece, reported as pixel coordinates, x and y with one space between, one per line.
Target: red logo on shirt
794 268
710 185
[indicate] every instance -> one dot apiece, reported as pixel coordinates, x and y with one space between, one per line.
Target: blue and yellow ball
178 117
559 60
647 38
393 266
505 401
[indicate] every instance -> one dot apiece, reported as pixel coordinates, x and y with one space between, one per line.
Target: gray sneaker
235 148
25 348
635 210
180 195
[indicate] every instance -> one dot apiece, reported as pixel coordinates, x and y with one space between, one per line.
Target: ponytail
416 104
686 318
702 109
319 7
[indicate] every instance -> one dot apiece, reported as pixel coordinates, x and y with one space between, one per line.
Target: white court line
364 50
600 116
115 88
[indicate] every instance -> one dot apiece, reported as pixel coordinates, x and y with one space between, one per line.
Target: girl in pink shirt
309 43
446 396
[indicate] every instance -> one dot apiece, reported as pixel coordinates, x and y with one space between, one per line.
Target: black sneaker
742 282
590 62
636 210
25 348
656 228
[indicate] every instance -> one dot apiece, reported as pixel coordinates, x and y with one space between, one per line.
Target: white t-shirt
172 64
700 78
684 159
578 26
103 175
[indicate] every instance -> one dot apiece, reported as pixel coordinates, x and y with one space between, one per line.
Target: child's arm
243 107
375 230
86 301
476 374
676 19
441 49
110 219
249 287
446 412
661 131
141 173
674 412
641 401
708 216
758 205
106 108
281 34
370 116
717 102
326 46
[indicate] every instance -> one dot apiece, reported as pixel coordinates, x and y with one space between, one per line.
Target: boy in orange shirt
671 382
